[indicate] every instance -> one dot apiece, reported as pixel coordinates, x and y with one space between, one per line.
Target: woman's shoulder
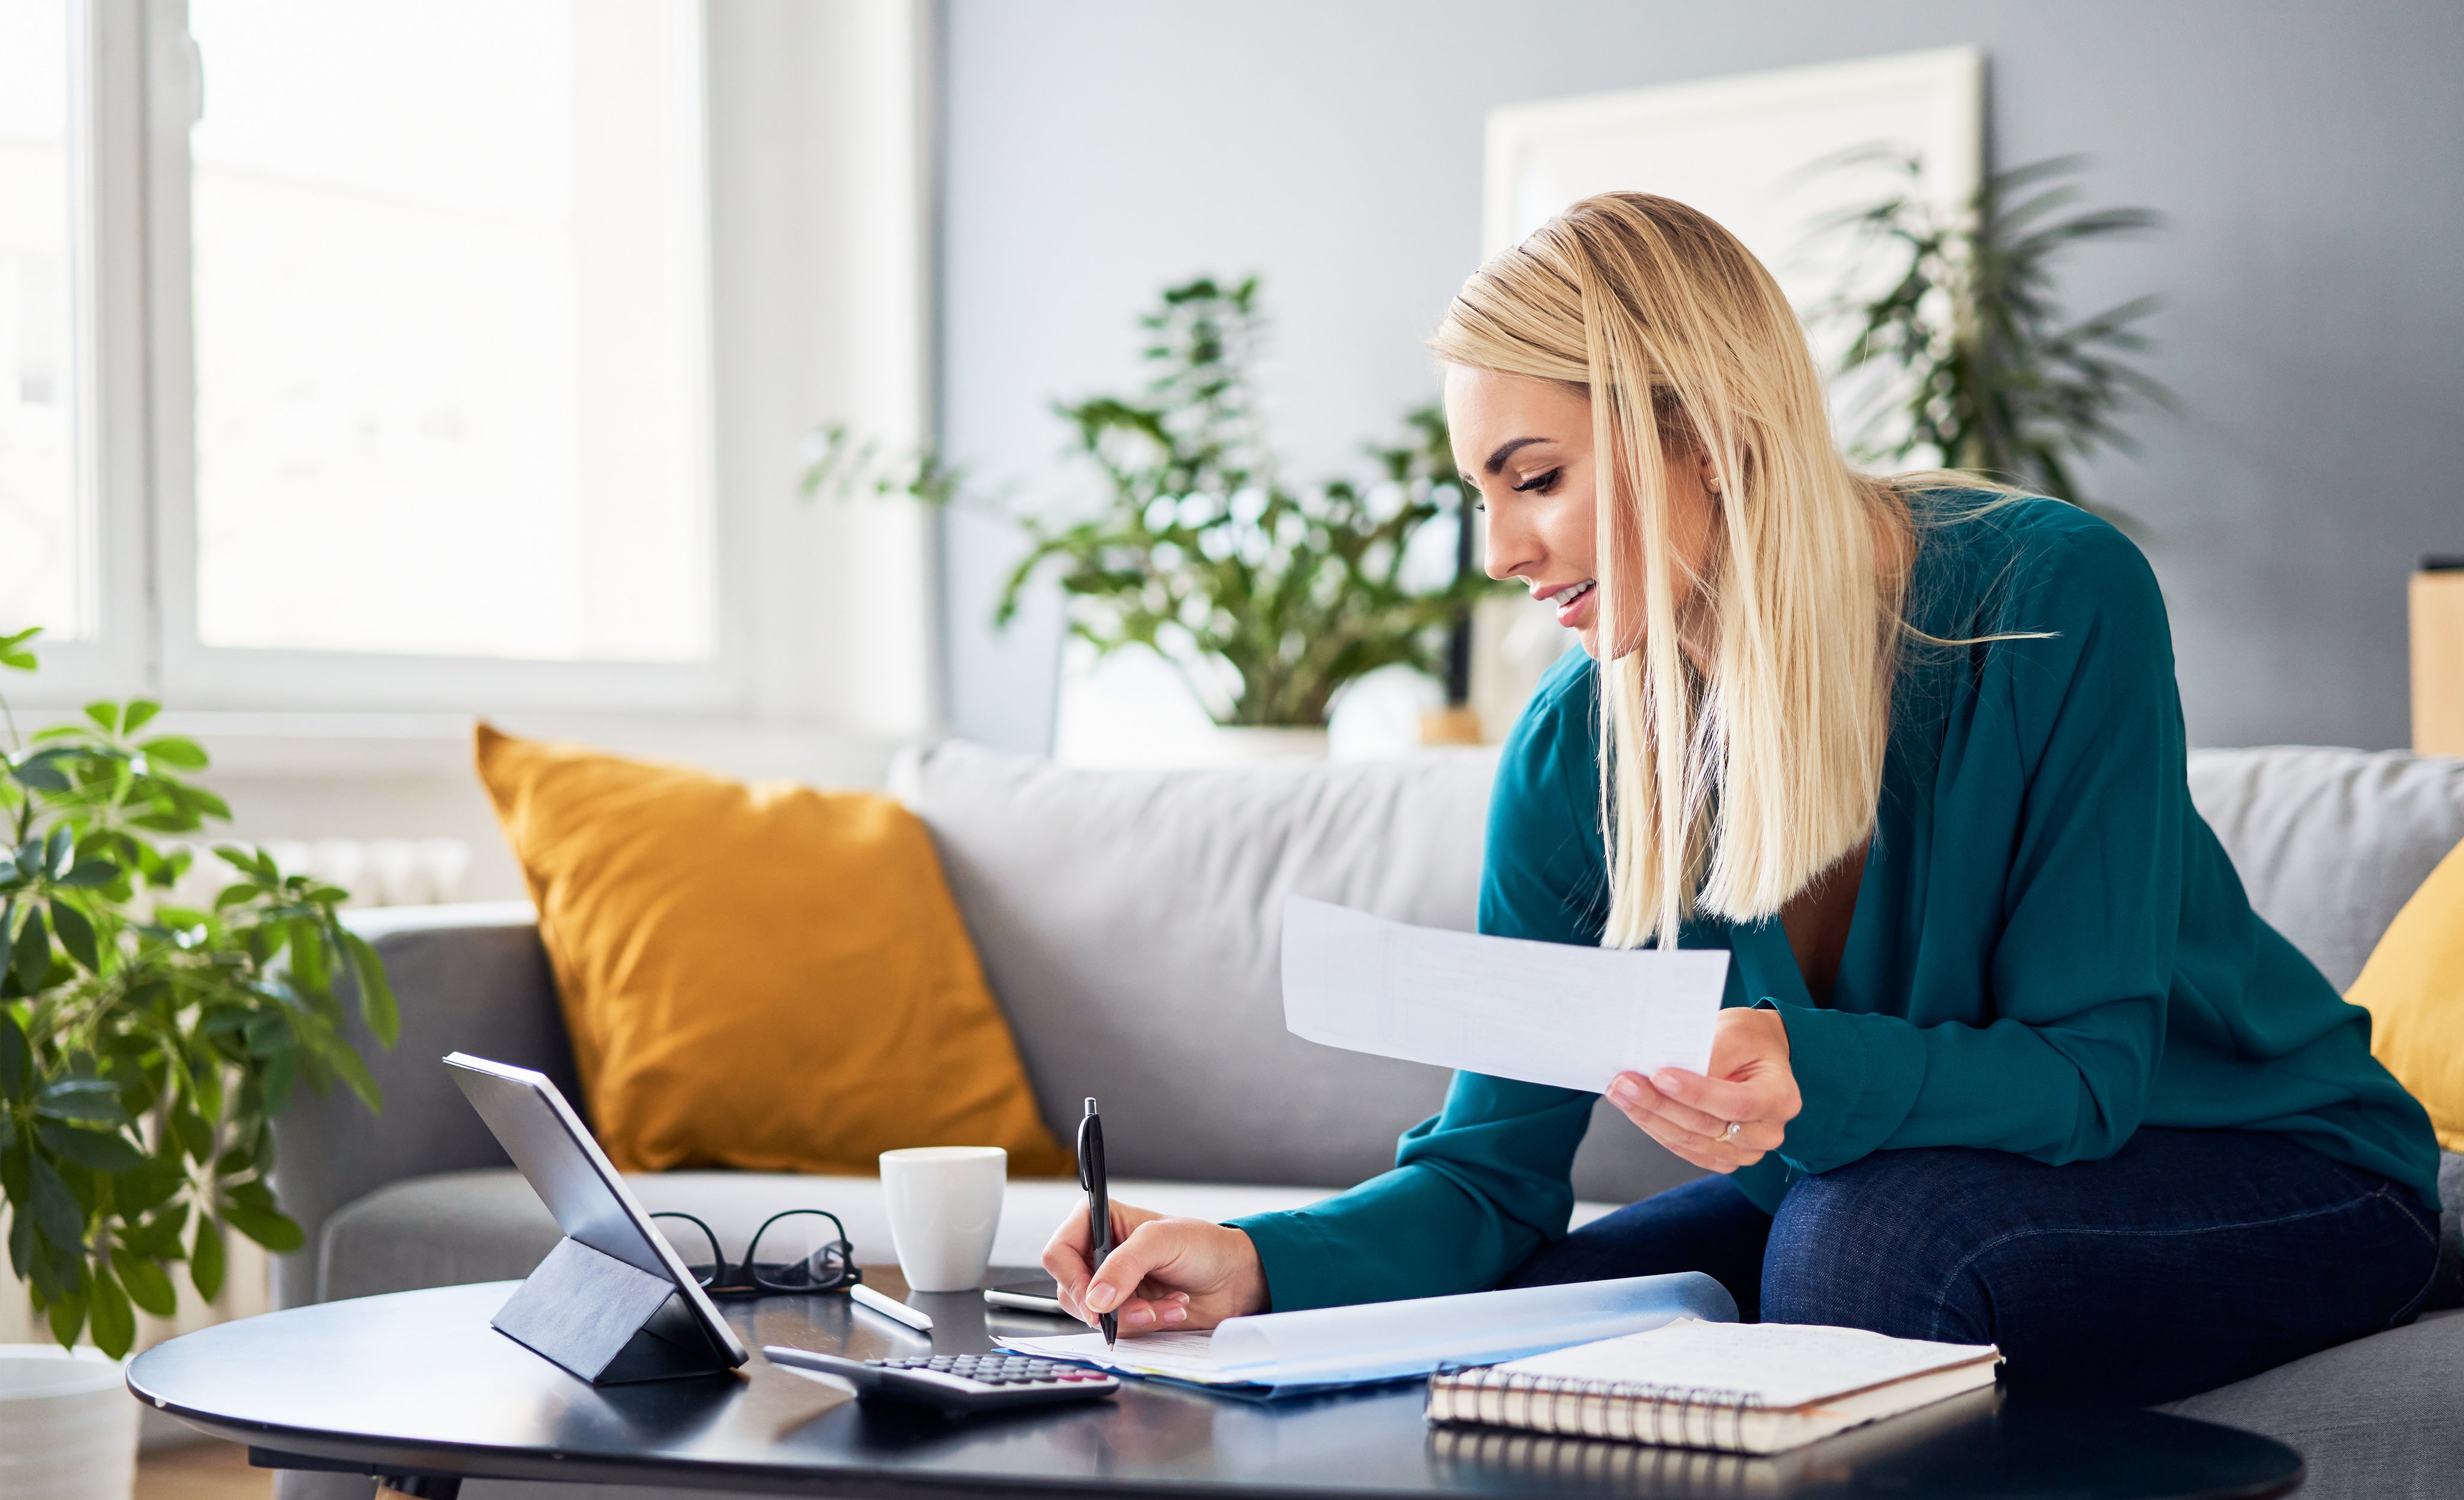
1989 562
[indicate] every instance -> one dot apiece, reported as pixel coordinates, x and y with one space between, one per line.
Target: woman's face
1524 445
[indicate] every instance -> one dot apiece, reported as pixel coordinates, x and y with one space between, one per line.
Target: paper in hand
1541 1012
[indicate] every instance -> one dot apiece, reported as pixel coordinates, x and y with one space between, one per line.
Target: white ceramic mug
945 1205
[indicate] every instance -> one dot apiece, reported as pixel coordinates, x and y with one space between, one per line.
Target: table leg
417 1486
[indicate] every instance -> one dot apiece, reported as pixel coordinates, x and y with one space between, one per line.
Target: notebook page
1782 1364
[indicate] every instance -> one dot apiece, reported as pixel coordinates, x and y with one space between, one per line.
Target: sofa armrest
470 978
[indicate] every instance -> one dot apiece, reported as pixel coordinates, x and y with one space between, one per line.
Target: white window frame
815 286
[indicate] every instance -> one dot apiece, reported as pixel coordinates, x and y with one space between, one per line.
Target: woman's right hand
1163 1274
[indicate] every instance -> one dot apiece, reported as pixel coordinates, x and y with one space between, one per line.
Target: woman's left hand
1749 1083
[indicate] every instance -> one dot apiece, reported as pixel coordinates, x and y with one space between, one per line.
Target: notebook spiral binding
1627 1411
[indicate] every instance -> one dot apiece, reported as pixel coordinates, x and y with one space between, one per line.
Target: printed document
1542 1012
1393 1341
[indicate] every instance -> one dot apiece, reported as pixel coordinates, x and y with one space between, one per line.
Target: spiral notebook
1738 1387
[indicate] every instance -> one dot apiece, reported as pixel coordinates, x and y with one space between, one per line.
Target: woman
2007 1056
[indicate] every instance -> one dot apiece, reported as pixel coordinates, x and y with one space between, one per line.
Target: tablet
573 1177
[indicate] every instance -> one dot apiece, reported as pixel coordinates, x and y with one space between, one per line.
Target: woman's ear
1709 477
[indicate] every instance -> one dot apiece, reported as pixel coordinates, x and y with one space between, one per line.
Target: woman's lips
1573 602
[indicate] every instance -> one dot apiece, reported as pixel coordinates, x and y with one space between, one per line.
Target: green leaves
1269 598
90 1099
250 1209
1959 352
175 751
205 1259
16 1059
53 1209
14 653
143 1048
102 1151
115 1323
377 1004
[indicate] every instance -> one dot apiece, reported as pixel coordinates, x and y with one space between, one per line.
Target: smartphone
1031 1294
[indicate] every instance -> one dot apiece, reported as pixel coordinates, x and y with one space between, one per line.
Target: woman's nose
1506 550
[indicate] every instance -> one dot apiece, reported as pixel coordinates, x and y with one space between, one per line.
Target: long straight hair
1735 774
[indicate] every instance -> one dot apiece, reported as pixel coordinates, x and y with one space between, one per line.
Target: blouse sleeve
2084 726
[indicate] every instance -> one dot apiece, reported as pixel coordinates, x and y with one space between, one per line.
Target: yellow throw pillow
761 976
2414 988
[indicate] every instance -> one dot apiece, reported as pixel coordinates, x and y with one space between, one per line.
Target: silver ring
1730 1134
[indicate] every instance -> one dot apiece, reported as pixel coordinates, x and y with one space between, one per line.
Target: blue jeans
2187 1260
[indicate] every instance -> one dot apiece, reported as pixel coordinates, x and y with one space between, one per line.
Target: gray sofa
1127 924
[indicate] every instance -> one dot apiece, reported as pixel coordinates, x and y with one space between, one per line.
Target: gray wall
2308 157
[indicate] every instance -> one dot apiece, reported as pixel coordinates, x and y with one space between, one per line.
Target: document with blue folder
1289 1354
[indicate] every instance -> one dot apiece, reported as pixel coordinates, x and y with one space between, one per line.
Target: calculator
992 1382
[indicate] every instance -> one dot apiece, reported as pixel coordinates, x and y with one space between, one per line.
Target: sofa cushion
2330 844
764 976
455 1227
2372 1418
2414 988
1132 923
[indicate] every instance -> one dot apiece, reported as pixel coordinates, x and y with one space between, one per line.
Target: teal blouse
2049 949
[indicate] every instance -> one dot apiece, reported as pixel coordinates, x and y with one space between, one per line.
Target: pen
1099 1206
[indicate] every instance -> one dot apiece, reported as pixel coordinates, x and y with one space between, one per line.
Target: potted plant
1963 355
145 1048
1267 597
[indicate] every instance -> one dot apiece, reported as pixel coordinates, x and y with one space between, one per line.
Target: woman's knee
1890 1242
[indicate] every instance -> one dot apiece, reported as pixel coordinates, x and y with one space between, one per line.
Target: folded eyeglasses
830 1268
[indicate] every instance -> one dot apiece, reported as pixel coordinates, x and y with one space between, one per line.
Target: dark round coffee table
417 1388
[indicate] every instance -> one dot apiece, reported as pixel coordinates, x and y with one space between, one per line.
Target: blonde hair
1730 787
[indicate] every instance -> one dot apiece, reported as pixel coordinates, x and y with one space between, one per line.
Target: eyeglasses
831 1268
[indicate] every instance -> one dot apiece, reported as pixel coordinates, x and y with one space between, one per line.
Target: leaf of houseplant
195 1136
52 1206
148 1285
157 1237
115 1324
206 1258
32 956
95 1099
104 1150
376 995
40 772
267 1227
68 1315
177 751
16 1058
76 935
89 873
151 1182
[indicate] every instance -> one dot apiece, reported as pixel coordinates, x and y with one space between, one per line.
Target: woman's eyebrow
1506 450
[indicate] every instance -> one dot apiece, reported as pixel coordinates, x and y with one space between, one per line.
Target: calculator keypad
996 1369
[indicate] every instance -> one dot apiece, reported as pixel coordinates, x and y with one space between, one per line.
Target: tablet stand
608 1322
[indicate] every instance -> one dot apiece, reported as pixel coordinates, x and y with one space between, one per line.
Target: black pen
1099 1207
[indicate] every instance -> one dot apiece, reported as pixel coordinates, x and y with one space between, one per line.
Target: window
448 329
46 513
364 355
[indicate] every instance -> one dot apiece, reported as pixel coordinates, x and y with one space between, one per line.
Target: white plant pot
68 1425
1249 744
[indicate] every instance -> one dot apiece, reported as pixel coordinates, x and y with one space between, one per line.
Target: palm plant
1964 357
